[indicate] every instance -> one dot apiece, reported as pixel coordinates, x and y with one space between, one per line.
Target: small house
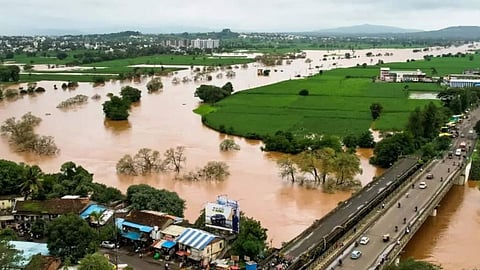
199 245
49 209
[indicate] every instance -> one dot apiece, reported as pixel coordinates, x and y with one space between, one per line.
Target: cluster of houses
469 78
160 233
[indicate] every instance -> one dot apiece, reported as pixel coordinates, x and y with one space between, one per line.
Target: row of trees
32 182
320 164
148 161
457 100
117 107
22 136
421 133
287 142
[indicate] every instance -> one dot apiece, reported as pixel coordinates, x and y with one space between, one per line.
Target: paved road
345 212
394 216
126 256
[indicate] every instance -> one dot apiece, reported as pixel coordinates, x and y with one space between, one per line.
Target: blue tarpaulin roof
142 228
131 235
90 209
195 238
29 249
168 244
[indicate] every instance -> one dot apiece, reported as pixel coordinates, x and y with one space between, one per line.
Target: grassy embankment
120 66
336 104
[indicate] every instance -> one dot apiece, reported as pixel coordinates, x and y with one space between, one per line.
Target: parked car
356 254
429 175
218 220
364 240
422 185
108 244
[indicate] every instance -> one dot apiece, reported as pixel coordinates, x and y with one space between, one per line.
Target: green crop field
338 101
442 65
122 65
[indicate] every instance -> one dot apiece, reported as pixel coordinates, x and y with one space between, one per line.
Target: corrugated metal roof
195 238
174 230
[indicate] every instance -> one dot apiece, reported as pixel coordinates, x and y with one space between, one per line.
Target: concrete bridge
375 211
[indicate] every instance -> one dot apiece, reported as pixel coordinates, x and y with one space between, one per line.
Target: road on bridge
347 210
393 216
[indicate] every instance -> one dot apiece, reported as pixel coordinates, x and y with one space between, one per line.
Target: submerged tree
214 170
287 168
148 161
21 134
145 161
154 85
175 158
229 144
346 166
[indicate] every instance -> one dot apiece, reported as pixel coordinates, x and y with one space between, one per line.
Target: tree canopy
145 197
212 94
251 240
116 108
71 236
22 136
10 258
9 73
130 94
95 261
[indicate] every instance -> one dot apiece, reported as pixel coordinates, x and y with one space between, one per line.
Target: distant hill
366 29
454 32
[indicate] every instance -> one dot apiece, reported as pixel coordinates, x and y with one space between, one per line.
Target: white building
205 43
463 80
401 76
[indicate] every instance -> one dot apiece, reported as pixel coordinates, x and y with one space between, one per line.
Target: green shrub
303 92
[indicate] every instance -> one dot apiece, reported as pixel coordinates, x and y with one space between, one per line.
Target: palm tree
95 217
31 181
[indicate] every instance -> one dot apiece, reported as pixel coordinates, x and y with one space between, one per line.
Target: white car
364 240
108 244
422 185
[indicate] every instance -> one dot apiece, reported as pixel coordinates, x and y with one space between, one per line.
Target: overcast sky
30 16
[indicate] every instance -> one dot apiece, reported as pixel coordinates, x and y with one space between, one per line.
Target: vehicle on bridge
422 185
355 254
364 240
386 237
429 176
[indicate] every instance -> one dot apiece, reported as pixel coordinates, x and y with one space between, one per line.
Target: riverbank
163 120
337 103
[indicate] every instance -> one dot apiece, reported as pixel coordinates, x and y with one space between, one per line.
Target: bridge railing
416 223
317 222
320 255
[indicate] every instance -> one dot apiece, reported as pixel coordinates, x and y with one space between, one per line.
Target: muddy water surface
165 120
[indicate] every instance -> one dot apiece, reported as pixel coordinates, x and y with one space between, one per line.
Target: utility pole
116 238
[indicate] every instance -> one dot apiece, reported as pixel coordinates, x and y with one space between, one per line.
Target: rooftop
52 206
149 218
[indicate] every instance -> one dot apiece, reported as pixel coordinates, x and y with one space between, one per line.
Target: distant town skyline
160 16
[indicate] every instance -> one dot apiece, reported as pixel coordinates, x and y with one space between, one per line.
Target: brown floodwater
165 119
450 239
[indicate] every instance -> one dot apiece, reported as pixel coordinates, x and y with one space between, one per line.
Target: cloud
247 15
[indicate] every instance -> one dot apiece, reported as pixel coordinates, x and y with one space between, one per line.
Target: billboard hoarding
223 214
